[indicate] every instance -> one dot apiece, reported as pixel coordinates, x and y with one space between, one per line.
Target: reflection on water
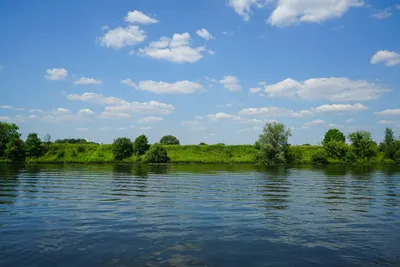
199 215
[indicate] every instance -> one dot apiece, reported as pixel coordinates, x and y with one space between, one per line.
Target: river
199 215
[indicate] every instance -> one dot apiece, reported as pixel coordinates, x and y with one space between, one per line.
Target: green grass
205 154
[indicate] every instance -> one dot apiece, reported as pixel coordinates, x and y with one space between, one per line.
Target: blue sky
206 71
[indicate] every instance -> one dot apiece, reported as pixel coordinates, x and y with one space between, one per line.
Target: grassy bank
92 153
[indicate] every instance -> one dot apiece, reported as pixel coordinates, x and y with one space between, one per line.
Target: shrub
397 157
319 157
274 143
15 150
295 155
336 149
202 144
156 154
81 149
334 134
363 146
33 146
169 140
122 148
141 145
389 145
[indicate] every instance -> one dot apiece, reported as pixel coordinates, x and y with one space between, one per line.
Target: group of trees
124 148
274 147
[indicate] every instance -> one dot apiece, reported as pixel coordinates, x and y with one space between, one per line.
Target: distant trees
202 144
390 145
33 145
156 154
122 148
141 145
72 141
334 144
362 144
169 140
273 143
11 145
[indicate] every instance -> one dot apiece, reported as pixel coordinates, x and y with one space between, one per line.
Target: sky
213 71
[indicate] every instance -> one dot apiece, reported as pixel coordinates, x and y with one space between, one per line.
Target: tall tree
8 133
389 145
333 134
362 144
140 145
33 145
273 143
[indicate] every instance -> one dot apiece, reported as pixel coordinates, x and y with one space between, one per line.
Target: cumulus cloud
85 112
220 115
113 115
255 90
245 8
385 122
63 110
35 110
341 108
121 37
137 17
389 58
333 89
176 49
382 14
180 87
149 119
32 116
11 107
274 112
289 12
313 123
388 112
129 82
86 80
205 34
225 105
56 74
231 83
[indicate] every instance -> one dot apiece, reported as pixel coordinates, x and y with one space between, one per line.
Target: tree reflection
276 187
9 182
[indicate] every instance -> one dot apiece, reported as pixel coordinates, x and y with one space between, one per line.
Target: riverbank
204 154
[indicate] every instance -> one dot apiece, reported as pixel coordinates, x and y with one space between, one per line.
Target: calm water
198 215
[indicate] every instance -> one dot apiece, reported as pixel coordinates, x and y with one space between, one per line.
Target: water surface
199 215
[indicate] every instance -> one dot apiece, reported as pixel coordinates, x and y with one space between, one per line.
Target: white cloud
255 128
274 112
289 12
117 105
6 107
82 129
86 80
149 119
220 115
121 37
105 28
176 49
225 105
131 52
33 116
145 128
63 110
35 110
350 120
137 17
382 14
231 83
85 112
333 89
244 7
180 87
397 6
5 118
262 83
129 82
389 58
205 34
56 74
199 118
332 125
114 115
341 108
388 112
385 122
313 123
211 52
255 90
251 121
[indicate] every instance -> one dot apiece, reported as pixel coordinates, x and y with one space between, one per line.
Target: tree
202 144
33 145
169 140
156 154
389 145
319 157
141 145
274 143
336 149
362 144
334 134
47 138
122 148
15 149
8 131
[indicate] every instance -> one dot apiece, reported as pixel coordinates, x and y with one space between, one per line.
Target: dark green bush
336 149
156 154
141 145
319 157
169 140
122 148
33 145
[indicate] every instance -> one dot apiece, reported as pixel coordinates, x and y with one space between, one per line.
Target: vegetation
334 135
319 157
156 154
72 141
122 148
169 140
11 145
33 146
273 143
141 145
363 146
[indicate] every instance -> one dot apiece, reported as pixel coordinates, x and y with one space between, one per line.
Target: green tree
336 149
389 145
8 131
122 148
363 146
33 145
156 154
333 134
141 145
319 157
15 149
169 140
274 144
202 144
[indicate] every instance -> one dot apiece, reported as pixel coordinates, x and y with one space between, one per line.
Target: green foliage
8 132
363 146
333 134
257 145
295 155
202 144
156 154
220 144
169 140
389 145
141 145
336 149
72 141
397 157
122 148
274 143
15 150
33 145
319 157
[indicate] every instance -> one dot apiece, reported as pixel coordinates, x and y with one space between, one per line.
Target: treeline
272 147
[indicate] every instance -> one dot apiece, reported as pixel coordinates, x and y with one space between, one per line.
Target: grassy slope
72 153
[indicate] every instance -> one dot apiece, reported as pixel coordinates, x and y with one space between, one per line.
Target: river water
199 215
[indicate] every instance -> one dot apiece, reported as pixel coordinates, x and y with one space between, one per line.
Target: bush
156 154
122 148
363 146
319 157
141 145
295 155
202 144
336 149
274 143
15 150
33 146
397 157
169 140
